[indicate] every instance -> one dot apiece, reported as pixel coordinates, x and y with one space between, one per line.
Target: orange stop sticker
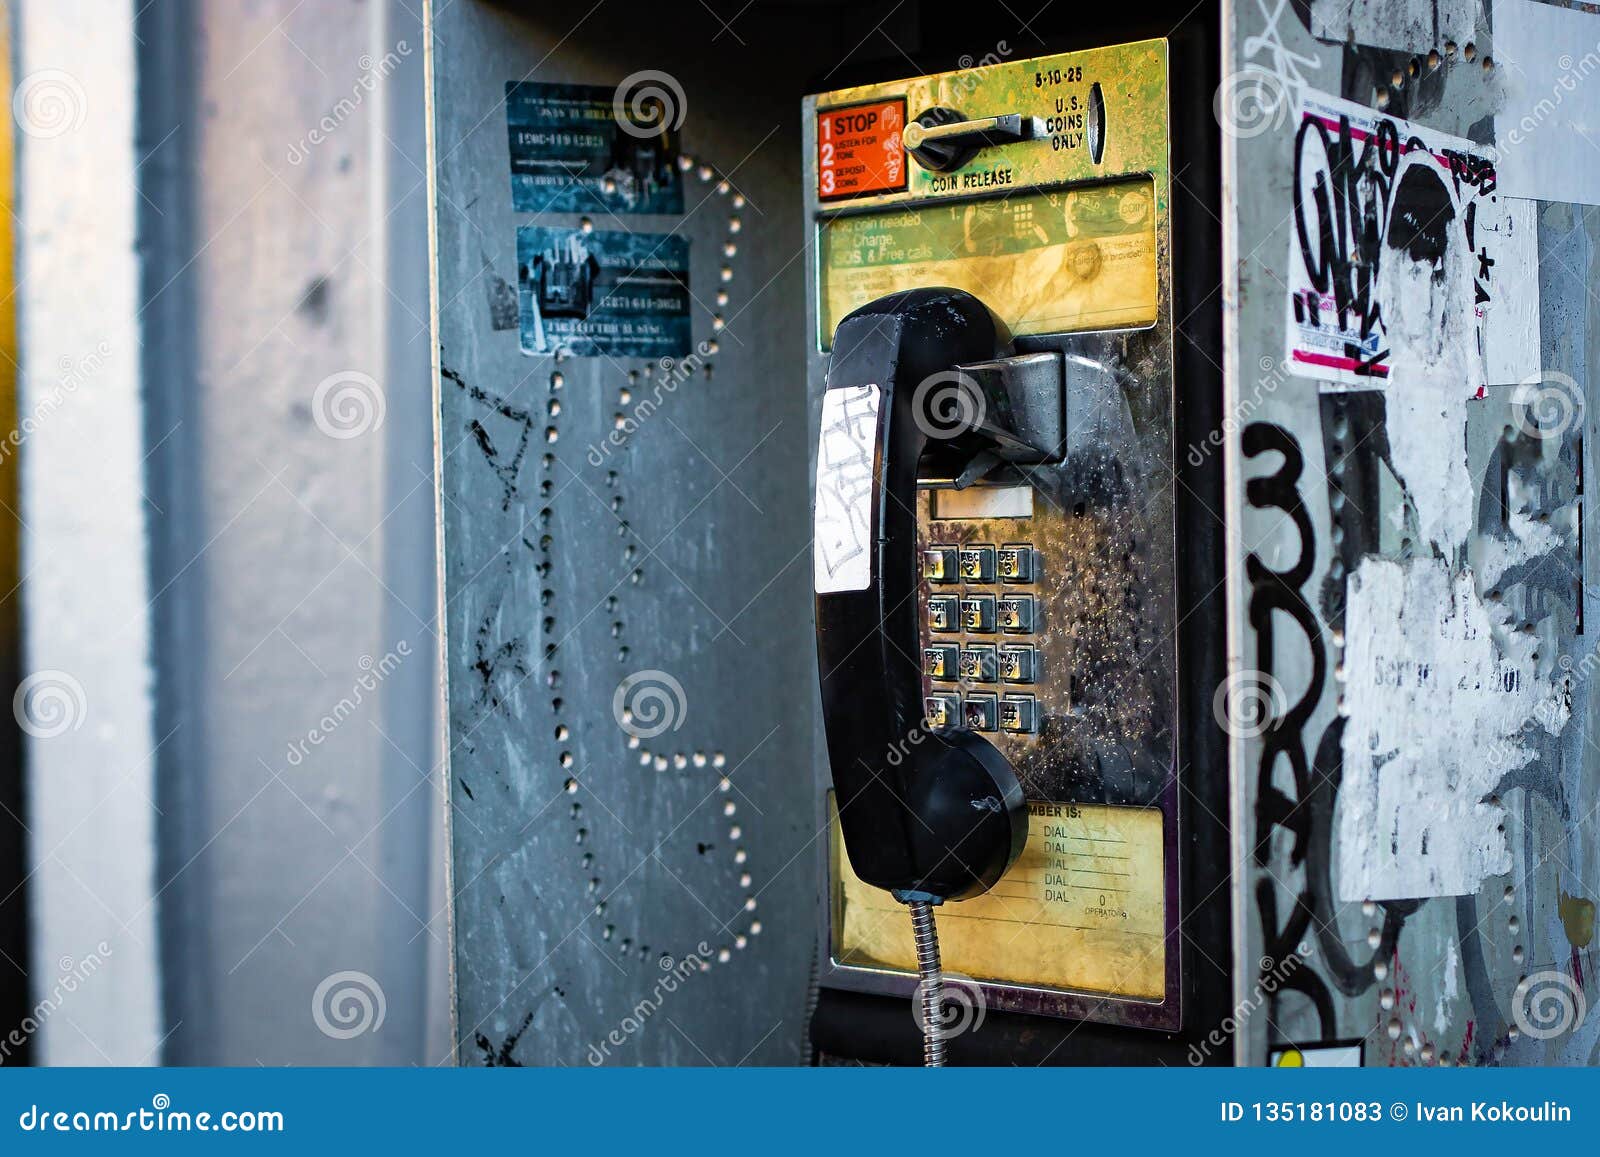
859 151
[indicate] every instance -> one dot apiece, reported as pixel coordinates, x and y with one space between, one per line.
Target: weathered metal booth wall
626 542
1412 242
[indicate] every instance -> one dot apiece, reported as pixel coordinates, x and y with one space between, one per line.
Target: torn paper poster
1509 320
1441 699
1399 25
1426 423
1547 127
1389 273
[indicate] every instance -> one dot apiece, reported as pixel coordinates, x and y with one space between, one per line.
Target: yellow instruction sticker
1083 909
1069 259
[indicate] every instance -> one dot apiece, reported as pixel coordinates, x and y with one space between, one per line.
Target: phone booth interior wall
631 685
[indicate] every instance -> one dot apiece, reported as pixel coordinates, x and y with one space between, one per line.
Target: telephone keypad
977 564
974 603
939 564
939 660
1016 563
941 710
1018 713
1018 664
977 614
977 664
1016 613
978 712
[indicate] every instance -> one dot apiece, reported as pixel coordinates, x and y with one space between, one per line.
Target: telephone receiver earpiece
930 815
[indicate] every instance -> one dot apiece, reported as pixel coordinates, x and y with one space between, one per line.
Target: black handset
930 815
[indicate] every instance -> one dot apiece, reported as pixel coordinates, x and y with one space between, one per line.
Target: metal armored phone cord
930 992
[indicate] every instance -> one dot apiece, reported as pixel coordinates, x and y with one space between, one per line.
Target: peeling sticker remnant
1442 700
1510 325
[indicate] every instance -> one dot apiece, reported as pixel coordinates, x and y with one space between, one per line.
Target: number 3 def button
859 151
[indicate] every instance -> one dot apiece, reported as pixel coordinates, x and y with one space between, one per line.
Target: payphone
996 558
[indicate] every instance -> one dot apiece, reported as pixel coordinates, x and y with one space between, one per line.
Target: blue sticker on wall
579 148
603 293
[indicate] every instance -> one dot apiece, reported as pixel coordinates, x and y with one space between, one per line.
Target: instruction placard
859 151
1083 908
1049 262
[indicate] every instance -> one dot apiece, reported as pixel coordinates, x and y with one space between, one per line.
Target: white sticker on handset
847 446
